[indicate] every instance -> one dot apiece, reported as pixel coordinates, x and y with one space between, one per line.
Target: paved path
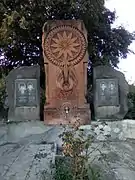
25 162
28 159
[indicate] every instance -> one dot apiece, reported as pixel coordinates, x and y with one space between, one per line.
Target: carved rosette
65 47
65 43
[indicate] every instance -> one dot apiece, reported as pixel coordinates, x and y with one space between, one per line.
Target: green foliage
131 103
3 95
42 103
63 169
94 174
21 29
2 92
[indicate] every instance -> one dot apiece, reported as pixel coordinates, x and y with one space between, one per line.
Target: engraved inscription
25 92
108 94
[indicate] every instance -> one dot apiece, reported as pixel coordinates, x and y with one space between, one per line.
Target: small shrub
76 148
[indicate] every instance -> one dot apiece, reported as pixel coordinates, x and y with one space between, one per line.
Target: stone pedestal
65 56
59 116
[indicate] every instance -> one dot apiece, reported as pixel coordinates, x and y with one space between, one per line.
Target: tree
131 103
21 30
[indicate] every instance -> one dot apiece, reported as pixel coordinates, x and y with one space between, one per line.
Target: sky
125 12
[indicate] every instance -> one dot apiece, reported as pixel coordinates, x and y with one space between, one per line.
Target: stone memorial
23 88
110 93
64 44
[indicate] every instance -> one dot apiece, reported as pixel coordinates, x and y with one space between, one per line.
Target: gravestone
110 93
23 88
64 44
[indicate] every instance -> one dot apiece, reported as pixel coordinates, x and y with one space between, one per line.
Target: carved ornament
65 44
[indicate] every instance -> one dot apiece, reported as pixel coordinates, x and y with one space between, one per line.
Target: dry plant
76 147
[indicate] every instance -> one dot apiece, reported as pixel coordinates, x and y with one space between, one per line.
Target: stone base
54 116
22 114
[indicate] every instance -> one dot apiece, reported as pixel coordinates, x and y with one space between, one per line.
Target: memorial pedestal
57 116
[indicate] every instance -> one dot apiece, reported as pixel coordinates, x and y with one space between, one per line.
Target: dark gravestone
23 87
110 93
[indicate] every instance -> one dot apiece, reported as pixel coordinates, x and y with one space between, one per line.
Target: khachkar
65 54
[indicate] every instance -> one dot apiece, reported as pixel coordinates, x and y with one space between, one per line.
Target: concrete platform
28 149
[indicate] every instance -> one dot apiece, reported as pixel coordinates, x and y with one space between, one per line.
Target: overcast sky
125 11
